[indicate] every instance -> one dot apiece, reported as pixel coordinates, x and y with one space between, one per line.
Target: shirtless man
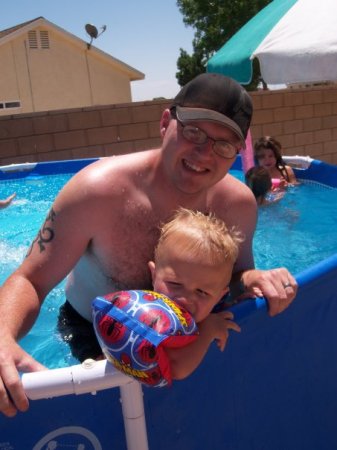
104 224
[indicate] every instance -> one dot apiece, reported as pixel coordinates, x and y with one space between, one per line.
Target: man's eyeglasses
197 136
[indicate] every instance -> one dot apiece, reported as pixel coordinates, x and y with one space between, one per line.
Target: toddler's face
196 286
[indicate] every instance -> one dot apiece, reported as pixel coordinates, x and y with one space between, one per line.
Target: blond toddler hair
199 236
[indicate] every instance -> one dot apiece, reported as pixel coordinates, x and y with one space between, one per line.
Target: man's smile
194 167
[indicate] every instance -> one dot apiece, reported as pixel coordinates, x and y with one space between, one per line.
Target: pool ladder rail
89 377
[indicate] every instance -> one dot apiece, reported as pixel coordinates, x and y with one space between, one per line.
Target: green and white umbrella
295 41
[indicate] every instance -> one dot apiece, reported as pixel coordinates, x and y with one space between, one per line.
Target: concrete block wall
304 120
80 133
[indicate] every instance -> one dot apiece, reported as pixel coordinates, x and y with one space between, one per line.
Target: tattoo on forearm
46 233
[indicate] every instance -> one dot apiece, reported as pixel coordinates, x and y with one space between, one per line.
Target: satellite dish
93 32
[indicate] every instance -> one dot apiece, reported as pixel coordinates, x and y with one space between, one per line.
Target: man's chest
123 249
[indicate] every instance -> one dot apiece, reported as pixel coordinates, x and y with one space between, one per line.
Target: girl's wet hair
258 180
270 143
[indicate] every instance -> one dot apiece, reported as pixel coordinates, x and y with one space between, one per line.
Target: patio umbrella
295 41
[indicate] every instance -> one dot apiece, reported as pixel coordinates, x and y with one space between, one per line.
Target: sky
145 34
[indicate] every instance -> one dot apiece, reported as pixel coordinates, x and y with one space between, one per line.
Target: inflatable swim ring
134 328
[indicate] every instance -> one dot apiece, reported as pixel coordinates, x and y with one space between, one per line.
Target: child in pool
267 154
193 265
259 181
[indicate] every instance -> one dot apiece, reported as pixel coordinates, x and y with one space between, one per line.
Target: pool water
297 232
19 224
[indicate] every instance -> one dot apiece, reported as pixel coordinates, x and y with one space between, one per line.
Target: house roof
18 30
16 27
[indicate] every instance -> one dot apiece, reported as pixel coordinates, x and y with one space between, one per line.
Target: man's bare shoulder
127 163
113 172
232 191
232 200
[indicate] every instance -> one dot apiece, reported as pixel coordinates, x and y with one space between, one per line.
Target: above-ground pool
273 387
287 235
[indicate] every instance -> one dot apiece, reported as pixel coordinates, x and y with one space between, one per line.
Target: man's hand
13 359
278 286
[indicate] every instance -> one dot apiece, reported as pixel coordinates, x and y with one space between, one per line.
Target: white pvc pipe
90 376
134 417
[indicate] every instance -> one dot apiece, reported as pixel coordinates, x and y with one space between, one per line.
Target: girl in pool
267 154
259 181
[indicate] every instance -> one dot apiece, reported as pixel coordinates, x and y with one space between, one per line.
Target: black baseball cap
213 97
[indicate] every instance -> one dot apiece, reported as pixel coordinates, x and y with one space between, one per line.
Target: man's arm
277 285
57 247
12 357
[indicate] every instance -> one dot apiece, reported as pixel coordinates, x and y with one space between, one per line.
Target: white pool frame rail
89 377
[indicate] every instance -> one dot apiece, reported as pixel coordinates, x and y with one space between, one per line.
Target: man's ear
152 268
164 121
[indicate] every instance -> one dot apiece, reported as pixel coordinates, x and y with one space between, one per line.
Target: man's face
196 167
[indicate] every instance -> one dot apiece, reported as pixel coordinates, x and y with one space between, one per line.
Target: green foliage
215 22
189 66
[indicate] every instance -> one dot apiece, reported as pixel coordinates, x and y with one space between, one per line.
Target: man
104 224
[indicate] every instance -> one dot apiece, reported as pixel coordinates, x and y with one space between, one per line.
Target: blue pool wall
44 168
274 387
317 171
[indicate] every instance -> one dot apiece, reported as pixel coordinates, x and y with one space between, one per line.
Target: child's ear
152 268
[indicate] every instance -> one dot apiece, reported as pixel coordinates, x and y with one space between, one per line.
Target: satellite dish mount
93 32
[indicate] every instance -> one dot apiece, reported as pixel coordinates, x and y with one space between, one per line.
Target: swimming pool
294 351
286 235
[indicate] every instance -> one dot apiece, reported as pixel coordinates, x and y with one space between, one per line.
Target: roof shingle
17 27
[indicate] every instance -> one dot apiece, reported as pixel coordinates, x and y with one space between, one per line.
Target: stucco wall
65 75
304 120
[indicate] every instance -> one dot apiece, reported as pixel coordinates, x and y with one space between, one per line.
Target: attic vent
44 39
32 39
40 40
